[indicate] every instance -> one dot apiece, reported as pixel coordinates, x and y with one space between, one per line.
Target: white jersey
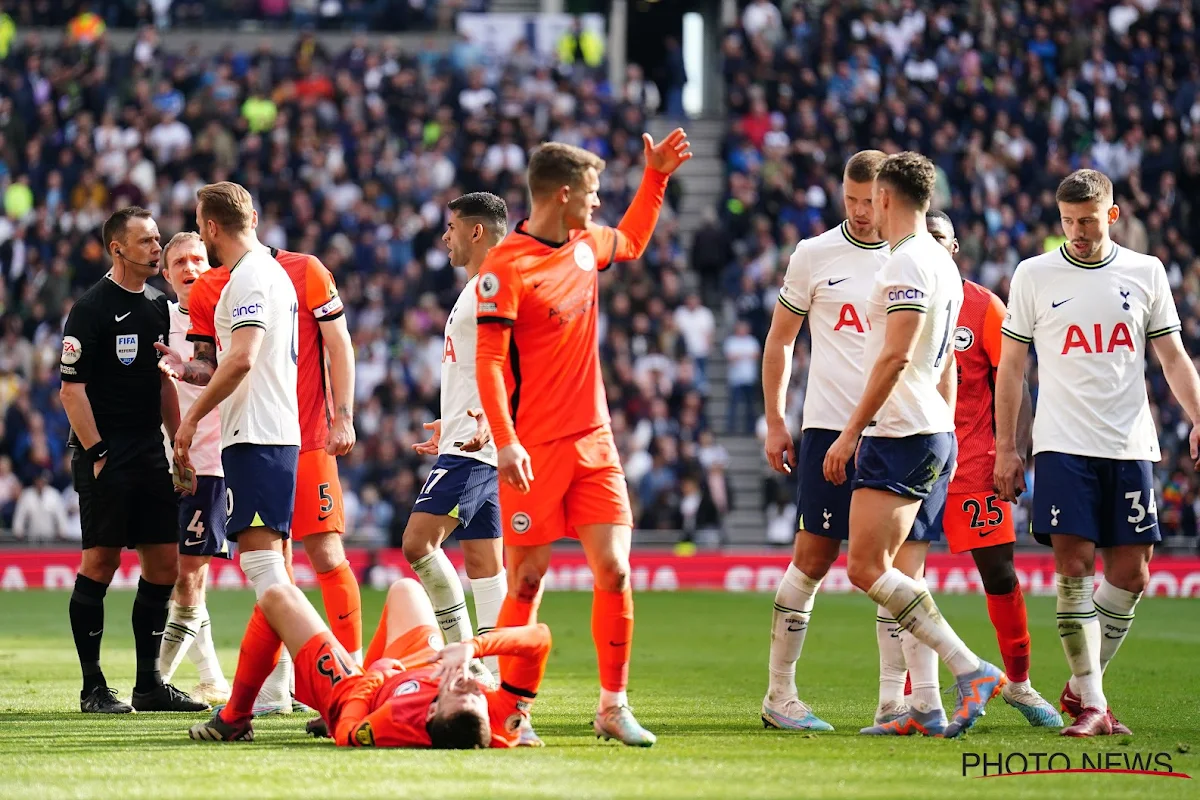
459 390
1089 324
919 276
206 444
263 408
828 280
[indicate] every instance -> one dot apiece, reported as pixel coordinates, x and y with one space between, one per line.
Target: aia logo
1098 341
448 352
848 318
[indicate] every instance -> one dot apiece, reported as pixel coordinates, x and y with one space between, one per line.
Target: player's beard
864 233
213 259
1091 252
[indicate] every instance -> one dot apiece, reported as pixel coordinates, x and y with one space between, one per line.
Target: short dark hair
554 164
864 165
486 207
1084 186
941 217
463 730
911 175
114 226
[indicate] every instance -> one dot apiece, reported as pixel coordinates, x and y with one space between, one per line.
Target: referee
116 399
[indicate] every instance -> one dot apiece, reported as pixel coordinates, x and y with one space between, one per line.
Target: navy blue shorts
824 509
911 466
260 487
202 519
1104 500
466 489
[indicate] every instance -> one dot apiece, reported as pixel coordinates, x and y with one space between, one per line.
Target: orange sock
1012 631
513 614
343 605
258 656
378 641
612 631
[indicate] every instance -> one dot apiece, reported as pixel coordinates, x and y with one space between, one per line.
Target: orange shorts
577 480
977 519
325 672
319 507
416 647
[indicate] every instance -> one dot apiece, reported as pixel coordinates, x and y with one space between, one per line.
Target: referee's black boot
103 700
166 697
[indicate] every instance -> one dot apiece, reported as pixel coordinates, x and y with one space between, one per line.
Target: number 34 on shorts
977 519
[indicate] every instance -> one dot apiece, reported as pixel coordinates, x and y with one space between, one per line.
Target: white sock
264 569
914 609
1114 610
182 627
794 601
609 699
923 667
892 665
1079 630
204 655
488 594
446 593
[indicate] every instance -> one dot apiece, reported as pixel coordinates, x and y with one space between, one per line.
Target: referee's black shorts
133 501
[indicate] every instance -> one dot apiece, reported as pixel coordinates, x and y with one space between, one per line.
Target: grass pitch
698 677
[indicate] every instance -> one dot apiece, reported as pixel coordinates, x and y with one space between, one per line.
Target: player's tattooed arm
200 369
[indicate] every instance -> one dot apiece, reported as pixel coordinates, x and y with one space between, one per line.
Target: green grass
698 679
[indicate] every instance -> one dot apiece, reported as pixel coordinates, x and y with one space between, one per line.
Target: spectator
41 515
743 354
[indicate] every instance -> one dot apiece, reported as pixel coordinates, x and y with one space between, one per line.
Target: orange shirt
537 359
977 354
318 293
389 706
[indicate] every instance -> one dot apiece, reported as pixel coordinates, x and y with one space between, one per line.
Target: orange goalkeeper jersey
390 705
537 358
320 302
977 354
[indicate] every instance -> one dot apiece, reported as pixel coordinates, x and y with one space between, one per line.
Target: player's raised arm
786 322
632 236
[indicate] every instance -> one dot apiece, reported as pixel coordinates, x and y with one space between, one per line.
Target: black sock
149 622
87 626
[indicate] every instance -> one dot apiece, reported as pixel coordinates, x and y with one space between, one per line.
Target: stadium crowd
1007 98
352 156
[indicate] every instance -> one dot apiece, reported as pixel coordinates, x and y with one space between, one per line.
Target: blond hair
227 204
553 165
864 165
178 239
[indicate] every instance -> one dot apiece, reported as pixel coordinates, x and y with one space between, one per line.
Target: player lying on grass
417 691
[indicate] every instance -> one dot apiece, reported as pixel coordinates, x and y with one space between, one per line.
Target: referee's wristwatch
97 451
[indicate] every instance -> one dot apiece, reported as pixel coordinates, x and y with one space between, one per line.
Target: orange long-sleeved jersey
537 359
389 705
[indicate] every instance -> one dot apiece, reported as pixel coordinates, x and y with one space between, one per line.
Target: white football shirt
263 408
919 276
828 280
460 393
1089 324
206 444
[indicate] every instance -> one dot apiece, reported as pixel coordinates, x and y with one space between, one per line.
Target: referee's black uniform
108 345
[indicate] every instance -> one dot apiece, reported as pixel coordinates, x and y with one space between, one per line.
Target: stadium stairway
703 182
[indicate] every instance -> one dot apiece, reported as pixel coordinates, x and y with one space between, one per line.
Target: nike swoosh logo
159 633
190 543
616 644
1111 636
1143 528
832 282
323 518
537 284
420 500
795 628
123 316
348 614
96 633
983 534
1060 302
